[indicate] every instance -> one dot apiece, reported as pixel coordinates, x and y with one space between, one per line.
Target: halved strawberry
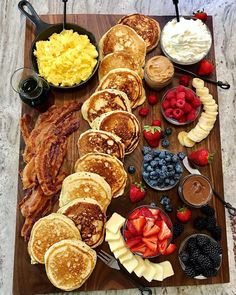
134 214
149 253
131 228
139 224
162 246
165 232
128 234
151 242
144 211
166 219
133 241
155 212
170 249
140 248
154 230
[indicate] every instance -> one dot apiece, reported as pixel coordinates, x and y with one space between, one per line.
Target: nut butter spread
196 190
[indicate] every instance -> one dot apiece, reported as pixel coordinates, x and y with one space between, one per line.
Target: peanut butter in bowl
158 72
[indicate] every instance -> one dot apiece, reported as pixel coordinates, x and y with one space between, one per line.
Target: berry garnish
137 192
168 131
152 99
200 14
205 67
143 112
183 214
165 143
201 157
178 228
156 123
131 169
152 135
184 80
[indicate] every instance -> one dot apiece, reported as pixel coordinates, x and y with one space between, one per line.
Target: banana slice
202 91
181 136
197 83
211 113
208 98
200 133
205 126
188 142
210 108
208 115
207 121
210 102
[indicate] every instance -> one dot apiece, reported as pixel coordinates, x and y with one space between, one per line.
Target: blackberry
192 244
216 260
209 272
195 254
198 268
199 223
211 250
202 240
208 210
216 233
168 131
178 228
204 261
184 256
210 222
190 271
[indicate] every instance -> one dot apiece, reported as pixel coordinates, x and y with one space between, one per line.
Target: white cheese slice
115 223
167 269
117 244
119 253
125 257
159 272
111 236
131 264
141 267
150 271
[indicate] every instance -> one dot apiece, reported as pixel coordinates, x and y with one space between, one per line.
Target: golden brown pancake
85 185
47 231
69 263
89 219
99 141
123 38
104 101
123 124
146 27
116 60
127 81
106 166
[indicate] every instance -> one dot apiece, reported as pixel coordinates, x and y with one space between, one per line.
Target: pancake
146 27
89 218
98 141
118 60
47 231
106 166
104 101
85 185
123 38
127 81
123 124
69 263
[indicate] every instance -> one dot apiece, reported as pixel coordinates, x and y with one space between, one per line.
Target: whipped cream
186 41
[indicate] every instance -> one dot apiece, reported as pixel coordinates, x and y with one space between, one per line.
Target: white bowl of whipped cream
186 42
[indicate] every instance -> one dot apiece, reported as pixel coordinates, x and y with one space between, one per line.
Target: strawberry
201 157
135 214
133 241
170 249
180 103
152 99
151 243
144 211
177 113
162 246
201 14
153 231
143 112
184 80
165 232
152 135
140 248
149 253
137 192
165 104
139 224
155 212
131 228
156 123
180 95
166 219
169 113
183 214
205 67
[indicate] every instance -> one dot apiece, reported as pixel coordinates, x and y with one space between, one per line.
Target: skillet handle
32 16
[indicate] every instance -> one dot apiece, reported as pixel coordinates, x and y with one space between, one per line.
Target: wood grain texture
31 279
11 57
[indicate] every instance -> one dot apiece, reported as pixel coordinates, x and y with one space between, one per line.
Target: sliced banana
205 126
211 113
210 108
208 115
207 121
207 98
188 142
181 136
197 83
202 91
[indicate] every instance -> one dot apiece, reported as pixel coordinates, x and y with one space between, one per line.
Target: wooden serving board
31 279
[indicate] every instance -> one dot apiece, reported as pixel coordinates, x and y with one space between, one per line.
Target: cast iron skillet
44 31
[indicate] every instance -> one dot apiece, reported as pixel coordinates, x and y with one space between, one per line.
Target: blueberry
148 158
171 173
153 183
172 182
165 143
170 167
177 176
153 163
162 175
161 162
168 158
175 158
160 181
131 169
146 150
168 131
164 168
181 155
164 200
149 168
167 181
156 152
178 168
153 175
145 165
168 208
145 174
162 155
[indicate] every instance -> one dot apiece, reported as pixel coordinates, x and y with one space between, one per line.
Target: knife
194 170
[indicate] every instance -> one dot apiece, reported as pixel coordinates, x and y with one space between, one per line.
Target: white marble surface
11 57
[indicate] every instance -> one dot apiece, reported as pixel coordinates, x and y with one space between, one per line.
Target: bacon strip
29 176
24 127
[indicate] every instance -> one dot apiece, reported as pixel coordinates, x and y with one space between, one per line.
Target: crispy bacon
25 123
29 176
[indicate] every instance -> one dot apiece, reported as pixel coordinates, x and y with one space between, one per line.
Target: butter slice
116 245
159 272
121 252
131 264
167 269
111 236
115 223
141 267
150 272
126 256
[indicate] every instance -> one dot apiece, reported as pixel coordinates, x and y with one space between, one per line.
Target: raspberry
171 94
182 119
180 103
169 113
177 113
166 104
184 80
173 102
180 95
143 112
152 99
189 95
180 88
187 108
191 116
196 102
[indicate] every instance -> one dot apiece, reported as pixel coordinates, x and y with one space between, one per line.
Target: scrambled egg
66 58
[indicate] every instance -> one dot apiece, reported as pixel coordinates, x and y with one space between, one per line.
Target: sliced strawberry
140 248
162 246
165 232
139 224
151 243
166 219
150 253
155 212
133 241
154 230
128 234
134 214
144 211
131 228
170 249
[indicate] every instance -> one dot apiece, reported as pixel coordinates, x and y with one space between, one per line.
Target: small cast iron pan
44 31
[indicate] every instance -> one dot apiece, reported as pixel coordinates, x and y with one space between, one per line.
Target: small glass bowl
182 62
182 247
172 120
151 206
180 191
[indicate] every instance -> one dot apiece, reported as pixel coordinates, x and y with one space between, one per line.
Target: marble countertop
11 57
